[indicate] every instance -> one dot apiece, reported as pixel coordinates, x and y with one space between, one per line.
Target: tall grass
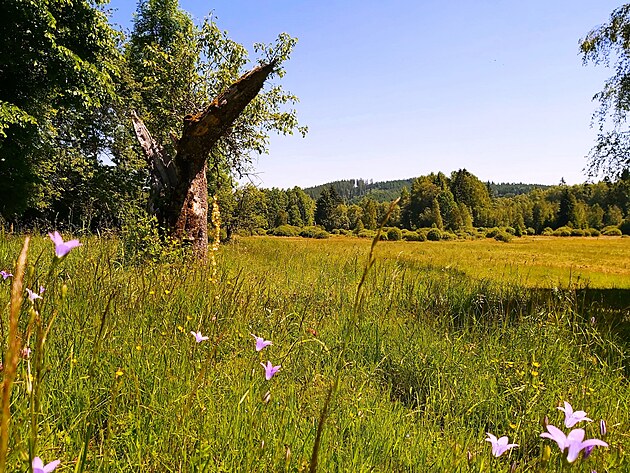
439 359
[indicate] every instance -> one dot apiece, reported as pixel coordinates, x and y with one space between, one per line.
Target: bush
503 236
143 241
448 236
625 226
577 232
594 232
314 232
530 231
365 233
548 231
285 231
394 234
510 230
563 231
492 232
410 235
434 234
611 230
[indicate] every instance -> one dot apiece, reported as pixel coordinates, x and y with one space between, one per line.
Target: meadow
446 342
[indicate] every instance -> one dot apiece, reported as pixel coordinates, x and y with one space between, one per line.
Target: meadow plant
270 369
261 342
571 418
198 336
39 467
500 445
573 442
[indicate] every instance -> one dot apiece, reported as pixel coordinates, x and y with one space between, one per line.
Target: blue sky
397 89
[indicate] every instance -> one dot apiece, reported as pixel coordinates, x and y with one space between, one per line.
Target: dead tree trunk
181 179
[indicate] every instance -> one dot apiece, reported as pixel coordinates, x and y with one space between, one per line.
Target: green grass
451 343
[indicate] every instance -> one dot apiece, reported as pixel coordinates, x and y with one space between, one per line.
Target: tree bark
183 178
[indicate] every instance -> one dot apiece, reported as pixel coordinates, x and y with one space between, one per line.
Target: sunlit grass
446 350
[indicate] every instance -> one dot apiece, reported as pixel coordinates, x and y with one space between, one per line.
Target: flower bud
587 452
602 427
546 454
64 291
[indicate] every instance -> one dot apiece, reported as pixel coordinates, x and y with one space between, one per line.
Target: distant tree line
456 203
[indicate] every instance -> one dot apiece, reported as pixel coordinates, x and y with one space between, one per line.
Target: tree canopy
609 45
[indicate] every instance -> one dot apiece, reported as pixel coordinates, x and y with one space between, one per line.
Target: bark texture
182 178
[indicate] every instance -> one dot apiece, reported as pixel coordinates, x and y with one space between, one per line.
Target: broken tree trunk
181 180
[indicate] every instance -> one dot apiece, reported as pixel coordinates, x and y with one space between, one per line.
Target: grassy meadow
448 341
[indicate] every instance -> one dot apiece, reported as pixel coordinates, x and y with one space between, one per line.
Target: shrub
434 234
448 236
594 232
503 236
577 232
625 226
492 232
563 231
285 231
548 231
314 232
510 230
611 230
143 241
410 235
530 231
394 234
365 233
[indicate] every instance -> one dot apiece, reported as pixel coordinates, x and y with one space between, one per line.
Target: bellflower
574 441
62 248
499 446
38 466
5 274
32 295
571 418
270 370
198 337
261 342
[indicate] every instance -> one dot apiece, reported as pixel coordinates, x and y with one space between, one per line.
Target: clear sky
397 89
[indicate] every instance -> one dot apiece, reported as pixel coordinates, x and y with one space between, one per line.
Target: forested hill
353 190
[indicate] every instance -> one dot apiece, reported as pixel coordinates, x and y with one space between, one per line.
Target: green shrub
548 231
611 230
448 236
577 232
434 234
143 241
314 232
492 232
510 230
625 226
563 231
285 231
365 233
410 235
594 232
394 234
503 236
530 231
